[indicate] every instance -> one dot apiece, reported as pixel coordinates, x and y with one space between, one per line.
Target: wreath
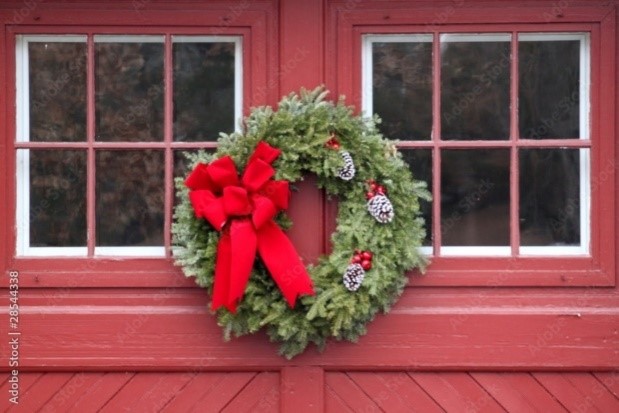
228 228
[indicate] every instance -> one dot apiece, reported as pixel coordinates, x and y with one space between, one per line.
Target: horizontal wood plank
173 329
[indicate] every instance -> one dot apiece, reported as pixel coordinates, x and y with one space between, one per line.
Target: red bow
249 206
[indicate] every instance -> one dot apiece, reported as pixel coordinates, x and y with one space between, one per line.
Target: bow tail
283 262
235 259
221 280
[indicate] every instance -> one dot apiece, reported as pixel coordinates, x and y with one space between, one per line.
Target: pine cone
353 277
380 207
347 172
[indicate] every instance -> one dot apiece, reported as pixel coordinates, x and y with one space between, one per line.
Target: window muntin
109 141
462 155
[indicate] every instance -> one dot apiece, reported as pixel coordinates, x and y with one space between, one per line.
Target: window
519 158
505 143
101 121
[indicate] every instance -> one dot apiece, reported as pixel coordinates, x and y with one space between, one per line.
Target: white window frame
22 173
584 249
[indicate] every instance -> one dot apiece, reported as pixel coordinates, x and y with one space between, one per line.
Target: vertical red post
302 389
302 65
90 137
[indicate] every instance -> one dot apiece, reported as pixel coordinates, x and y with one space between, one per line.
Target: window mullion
167 139
90 139
514 203
436 137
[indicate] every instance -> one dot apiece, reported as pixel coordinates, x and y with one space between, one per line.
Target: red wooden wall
88 346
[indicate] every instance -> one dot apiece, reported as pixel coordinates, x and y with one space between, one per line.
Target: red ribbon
243 210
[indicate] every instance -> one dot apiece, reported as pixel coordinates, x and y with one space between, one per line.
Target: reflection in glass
475 197
549 197
129 91
203 90
475 87
57 198
57 83
129 199
420 162
402 89
549 98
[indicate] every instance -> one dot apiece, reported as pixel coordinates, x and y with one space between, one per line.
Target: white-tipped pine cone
353 277
380 207
347 172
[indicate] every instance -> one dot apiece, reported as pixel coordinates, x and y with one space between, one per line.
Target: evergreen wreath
377 238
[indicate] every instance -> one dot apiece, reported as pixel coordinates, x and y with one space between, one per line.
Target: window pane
420 162
549 96
475 86
57 84
475 197
203 90
57 198
550 197
129 200
129 91
402 89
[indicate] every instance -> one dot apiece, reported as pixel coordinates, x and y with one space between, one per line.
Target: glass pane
57 83
549 96
475 86
402 89
550 197
420 162
203 90
130 194
57 198
475 197
129 91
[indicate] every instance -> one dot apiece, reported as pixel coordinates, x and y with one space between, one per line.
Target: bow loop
223 172
257 173
264 210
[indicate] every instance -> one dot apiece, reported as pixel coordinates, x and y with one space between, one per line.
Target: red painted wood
150 391
596 394
26 381
39 394
388 391
517 392
260 395
610 381
436 153
334 404
99 389
450 397
223 392
72 391
200 385
168 114
302 389
301 65
91 177
158 322
571 397
307 213
349 393
435 329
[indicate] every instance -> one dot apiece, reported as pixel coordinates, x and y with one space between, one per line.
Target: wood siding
472 335
358 392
